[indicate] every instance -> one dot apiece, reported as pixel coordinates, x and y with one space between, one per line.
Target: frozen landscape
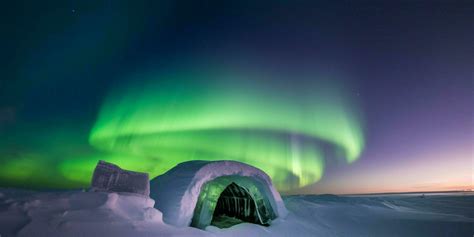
83 213
262 118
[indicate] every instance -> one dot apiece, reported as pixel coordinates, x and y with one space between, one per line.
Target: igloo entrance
230 200
235 205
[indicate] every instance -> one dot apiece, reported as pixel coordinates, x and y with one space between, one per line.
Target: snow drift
78 213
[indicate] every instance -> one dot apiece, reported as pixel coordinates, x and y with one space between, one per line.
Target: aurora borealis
324 97
177 117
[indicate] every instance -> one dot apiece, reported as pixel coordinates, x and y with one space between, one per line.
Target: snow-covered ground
78 213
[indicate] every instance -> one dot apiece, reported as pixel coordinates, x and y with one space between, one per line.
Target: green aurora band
218 115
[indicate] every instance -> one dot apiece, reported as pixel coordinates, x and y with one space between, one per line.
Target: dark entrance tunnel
230 200
235 205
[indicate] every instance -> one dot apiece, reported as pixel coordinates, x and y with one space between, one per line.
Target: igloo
219 193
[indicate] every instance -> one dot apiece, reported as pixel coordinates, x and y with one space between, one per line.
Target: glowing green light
227 115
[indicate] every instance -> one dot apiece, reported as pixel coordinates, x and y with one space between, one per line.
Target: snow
177 191
80 213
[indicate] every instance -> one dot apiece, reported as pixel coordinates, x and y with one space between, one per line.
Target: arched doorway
234 206
231 200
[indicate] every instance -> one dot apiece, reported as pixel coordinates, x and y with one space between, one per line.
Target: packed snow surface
80 213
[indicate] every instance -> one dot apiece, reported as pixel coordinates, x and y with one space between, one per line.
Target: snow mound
177 191
75 213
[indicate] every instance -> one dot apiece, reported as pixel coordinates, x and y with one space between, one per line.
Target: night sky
324 96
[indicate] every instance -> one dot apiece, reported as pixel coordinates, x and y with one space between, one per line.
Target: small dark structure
111 178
